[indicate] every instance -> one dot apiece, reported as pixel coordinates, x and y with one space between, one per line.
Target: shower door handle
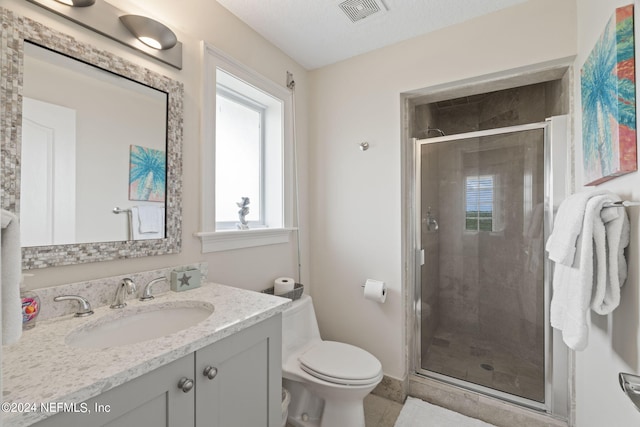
420 256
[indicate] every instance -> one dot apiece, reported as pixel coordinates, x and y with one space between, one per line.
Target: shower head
427 130
434 130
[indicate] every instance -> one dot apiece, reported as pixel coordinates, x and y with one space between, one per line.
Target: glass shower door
482 291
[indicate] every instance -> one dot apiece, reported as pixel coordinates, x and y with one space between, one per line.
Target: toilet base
346 414
330 418
305 408
309 409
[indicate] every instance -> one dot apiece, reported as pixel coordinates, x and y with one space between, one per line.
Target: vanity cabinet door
245 388
153 399
236 383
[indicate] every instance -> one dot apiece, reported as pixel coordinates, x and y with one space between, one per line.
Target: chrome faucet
126 286
146 292
84 308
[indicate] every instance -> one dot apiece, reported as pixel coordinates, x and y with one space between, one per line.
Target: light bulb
151 42
77 3
149 31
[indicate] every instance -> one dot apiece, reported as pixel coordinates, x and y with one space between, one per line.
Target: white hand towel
11 270
151 218
567 226
146 219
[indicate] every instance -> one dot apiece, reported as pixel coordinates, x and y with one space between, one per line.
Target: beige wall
193 22
614 340
355 209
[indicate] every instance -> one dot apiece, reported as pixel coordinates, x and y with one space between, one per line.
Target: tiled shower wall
510 107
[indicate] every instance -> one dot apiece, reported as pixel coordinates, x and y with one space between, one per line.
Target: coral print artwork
147 174
608 102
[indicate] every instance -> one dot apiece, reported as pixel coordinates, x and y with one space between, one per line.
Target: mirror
84 131
89 132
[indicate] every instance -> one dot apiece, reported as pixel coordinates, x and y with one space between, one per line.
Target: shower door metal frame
555 354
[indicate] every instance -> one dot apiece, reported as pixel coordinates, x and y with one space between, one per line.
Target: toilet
328 380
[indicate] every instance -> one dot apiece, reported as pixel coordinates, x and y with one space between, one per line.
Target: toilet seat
340 363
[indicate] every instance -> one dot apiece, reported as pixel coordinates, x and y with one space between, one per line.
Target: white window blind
479 201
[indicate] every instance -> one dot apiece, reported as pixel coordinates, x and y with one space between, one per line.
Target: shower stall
483 208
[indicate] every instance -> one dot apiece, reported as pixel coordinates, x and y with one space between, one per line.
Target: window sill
217 241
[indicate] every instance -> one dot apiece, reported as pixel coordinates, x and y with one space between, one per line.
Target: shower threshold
480 390
474 403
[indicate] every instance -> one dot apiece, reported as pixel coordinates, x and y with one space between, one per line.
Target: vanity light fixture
77 3
149 31
138 32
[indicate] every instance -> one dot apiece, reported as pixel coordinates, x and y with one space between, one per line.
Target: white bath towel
606 294
11 268
595 277
567 226
148 222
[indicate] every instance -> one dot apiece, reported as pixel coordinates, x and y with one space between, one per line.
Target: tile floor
483 362
379 412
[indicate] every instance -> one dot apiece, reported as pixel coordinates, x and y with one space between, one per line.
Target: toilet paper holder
384 291
363 285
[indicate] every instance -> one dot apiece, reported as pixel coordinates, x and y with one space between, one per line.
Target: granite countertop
41 368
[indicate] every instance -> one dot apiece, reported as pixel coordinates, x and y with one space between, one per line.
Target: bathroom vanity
222 371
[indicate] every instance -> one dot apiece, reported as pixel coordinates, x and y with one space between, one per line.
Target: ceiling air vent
358 10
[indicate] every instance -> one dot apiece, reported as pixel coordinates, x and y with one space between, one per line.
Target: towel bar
621 204
118 210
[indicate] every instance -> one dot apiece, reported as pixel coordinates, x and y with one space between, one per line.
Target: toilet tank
299 326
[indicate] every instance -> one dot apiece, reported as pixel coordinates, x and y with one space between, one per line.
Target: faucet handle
84 308
146 292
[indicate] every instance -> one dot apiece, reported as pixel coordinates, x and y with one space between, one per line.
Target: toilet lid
340 363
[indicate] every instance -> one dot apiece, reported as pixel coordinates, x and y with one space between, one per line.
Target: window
247 153
479 202
239 167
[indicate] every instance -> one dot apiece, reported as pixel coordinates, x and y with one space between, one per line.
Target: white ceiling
316 33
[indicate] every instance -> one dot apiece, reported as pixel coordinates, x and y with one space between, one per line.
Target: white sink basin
132 325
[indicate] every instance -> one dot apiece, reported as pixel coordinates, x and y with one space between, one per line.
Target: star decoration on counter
184 280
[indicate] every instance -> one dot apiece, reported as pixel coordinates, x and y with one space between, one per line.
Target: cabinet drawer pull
210 372
185 384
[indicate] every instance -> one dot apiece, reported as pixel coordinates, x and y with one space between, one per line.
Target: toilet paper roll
282 285
375 290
